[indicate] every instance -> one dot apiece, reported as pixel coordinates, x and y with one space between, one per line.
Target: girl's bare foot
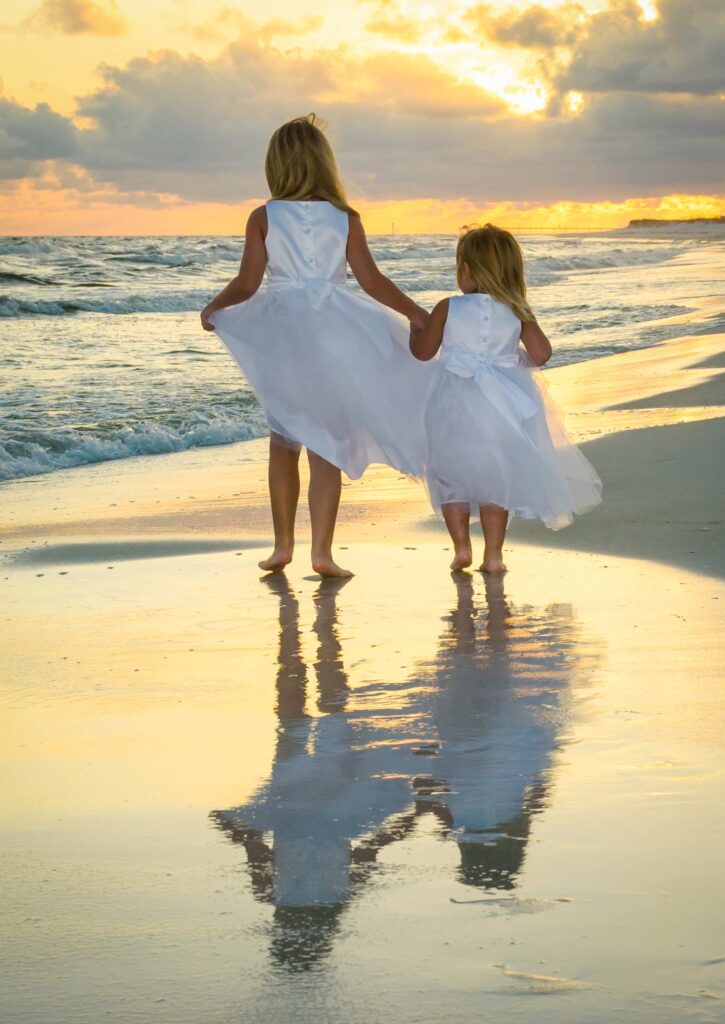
325 566
462 559
493 563
279 558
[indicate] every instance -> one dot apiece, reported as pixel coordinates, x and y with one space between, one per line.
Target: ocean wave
12 277
182 302
630 315
611 258
44 451
27 245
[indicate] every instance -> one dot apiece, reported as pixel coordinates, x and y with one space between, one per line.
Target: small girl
331 367
494 442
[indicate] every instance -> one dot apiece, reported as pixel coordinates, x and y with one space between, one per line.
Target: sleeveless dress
331 367
493 435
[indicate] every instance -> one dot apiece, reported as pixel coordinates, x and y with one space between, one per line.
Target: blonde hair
300 164
495 263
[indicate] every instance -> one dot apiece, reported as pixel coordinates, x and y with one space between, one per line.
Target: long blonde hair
495 263
300 164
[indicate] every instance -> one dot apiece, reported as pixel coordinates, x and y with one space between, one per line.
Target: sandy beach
233 798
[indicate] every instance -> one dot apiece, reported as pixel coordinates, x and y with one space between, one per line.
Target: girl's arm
536 343
251 269
377 285
425 343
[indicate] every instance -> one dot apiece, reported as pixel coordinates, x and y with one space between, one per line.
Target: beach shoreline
230 795
649 420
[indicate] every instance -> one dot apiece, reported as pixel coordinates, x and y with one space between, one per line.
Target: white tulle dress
493 436
330 367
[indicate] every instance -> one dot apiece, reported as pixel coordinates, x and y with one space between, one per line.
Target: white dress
493 437
330 367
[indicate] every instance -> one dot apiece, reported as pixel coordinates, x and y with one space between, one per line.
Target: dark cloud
30 136
535 27
621 146
681 51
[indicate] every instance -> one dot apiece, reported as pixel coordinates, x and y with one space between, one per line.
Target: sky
125 116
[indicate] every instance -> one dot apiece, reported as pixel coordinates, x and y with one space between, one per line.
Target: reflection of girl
335 777
328 787
498 715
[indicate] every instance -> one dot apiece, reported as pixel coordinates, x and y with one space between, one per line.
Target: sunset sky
139 117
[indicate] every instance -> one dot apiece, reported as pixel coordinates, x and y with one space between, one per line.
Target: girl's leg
324 499
456 515
284 492
494 521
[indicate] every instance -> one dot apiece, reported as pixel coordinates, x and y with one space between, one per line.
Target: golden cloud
410 84
227 20
74 17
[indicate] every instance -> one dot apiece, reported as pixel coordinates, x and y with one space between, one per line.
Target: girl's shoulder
257 220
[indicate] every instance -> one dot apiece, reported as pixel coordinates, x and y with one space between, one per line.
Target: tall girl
331 367
495 446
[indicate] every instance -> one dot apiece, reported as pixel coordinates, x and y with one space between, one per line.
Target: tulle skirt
333 372
481 449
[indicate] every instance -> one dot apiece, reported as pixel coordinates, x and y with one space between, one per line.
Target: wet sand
227 798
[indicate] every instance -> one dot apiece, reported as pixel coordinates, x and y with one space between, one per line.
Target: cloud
205 124
74 17
680 51
200 129
411 84
180 126
388 20
229 20
30 136
535 27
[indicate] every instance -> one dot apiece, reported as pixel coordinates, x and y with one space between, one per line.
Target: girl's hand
426 340
415 333
205 321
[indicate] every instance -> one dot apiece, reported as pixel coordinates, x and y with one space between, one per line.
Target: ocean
102 356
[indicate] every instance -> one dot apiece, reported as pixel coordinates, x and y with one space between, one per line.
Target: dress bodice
481 326
306 239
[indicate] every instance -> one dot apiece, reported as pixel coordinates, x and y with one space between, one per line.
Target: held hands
415 333
418 323
419 319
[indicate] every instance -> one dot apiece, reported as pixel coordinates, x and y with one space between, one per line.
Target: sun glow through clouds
505 78
521 96
649 10
574 102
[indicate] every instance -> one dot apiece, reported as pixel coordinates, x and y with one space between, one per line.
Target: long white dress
493 435
330 367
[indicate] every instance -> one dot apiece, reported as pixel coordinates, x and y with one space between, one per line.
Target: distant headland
656 222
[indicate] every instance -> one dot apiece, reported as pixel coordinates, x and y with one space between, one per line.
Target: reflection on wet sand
469 739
